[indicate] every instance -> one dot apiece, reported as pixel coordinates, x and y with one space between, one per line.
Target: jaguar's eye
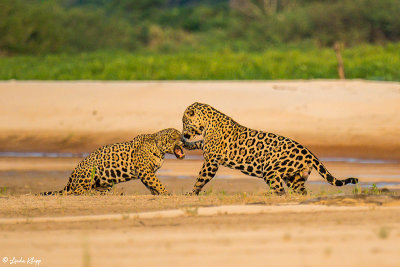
190 113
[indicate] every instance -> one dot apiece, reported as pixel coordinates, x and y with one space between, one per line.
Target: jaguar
139 158
272 157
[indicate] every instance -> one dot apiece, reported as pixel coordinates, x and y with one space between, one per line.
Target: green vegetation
198 39
93 174
3 191
64 26
366 62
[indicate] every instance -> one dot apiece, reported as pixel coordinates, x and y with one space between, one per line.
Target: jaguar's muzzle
178 152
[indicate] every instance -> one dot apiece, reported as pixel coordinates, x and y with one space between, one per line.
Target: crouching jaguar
266 155
121 162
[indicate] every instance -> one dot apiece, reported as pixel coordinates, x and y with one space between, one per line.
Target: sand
356 236
234 222
355 118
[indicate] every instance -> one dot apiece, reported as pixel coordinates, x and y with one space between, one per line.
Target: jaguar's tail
51 193
329 177
54 193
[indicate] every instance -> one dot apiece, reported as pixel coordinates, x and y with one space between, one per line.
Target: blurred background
198 39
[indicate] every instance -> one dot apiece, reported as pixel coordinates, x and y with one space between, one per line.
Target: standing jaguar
266 155
121 162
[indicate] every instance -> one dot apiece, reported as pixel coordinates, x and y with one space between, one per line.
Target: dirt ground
363 235
348 230
352 126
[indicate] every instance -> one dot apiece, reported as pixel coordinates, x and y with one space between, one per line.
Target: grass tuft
383 233
3 191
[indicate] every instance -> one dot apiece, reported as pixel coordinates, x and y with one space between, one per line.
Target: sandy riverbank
334 118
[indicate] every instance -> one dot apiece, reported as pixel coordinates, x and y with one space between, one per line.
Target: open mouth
178 152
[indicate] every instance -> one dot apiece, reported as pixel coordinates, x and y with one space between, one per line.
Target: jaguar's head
193 121
170 141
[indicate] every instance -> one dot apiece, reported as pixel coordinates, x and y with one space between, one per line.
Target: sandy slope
353 117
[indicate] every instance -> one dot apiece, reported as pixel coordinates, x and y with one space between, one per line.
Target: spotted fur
121 162
266 155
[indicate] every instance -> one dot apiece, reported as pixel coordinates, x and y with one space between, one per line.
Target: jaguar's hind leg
78 186
102 184
80 181
274 181
103 190
296 182
80 190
